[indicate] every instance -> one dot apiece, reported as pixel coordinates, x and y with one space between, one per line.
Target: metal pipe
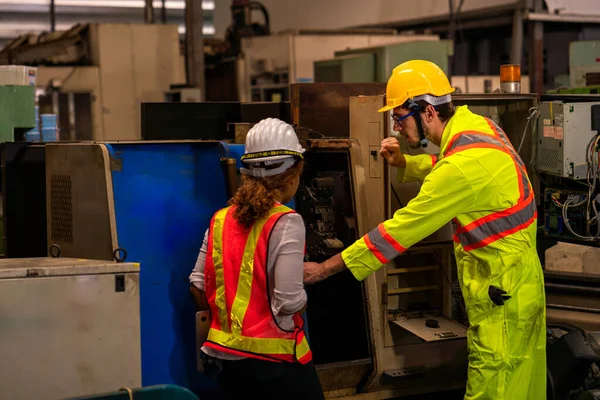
194 45
574 308
149 12
536 53
547 17
52 16
572 288
164 11
517 38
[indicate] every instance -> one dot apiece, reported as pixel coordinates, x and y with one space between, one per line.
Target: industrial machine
17 111
568 142
573 359
149 202
95 76
398 333
566 162
583 63
386 57
566 136
70 327
242 25
375 64
271 63
566 149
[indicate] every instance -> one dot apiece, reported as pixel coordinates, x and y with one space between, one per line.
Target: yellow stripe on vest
217 256
252 345
302 349
244 288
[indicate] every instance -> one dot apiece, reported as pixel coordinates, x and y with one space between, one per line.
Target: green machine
584 68
354 68
375 64
17 112
577 90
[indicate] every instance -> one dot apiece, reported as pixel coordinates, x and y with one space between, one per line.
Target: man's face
406 126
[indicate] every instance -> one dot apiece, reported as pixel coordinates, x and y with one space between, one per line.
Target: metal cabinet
68 327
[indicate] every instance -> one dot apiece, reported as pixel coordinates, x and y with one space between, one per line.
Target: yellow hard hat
417 80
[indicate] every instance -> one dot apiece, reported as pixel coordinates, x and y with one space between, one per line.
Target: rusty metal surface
241 130
339 379
485 97
57 48
324 107
329 143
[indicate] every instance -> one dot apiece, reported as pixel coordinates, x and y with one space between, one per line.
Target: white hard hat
268 143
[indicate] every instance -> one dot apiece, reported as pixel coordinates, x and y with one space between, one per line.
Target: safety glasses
398 119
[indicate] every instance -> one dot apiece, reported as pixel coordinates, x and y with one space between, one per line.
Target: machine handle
54 251
117 254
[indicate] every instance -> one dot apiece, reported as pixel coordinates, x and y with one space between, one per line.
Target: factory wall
332 14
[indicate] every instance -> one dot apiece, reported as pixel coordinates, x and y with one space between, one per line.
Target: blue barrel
48 121
37 118
32 136
49 135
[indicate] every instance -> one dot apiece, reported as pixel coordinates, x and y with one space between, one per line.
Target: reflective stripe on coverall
480 183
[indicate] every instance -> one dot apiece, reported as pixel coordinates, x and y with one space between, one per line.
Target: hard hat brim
386 108
272 158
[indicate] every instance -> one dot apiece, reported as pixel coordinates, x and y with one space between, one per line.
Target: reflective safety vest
237 288
496 225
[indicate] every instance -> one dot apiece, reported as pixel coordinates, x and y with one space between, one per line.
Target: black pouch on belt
497 295
212 366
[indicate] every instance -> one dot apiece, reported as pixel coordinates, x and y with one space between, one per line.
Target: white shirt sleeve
197 275
286 254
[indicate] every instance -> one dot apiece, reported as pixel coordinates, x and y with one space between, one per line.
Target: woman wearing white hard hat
250 275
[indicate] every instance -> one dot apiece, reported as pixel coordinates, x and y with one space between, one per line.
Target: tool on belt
497 295
204 363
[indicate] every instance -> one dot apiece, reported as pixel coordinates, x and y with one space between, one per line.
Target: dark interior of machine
336 307
419 300
24 200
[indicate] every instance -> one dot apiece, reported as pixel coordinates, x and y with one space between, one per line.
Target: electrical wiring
534 112
593 159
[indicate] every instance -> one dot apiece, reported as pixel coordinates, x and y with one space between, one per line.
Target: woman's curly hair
256 196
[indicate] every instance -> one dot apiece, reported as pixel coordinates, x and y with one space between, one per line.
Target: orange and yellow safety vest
237 289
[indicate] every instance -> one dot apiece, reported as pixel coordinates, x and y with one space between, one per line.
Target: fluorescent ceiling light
25 27
12 30
170 4
206 30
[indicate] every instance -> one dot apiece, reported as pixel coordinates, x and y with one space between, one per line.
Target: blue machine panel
165 195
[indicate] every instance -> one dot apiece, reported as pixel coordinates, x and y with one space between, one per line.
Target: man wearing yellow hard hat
480 183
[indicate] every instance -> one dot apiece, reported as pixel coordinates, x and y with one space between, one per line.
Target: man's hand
312 272
315 272
390 150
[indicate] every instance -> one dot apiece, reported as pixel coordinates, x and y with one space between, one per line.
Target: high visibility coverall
480 184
